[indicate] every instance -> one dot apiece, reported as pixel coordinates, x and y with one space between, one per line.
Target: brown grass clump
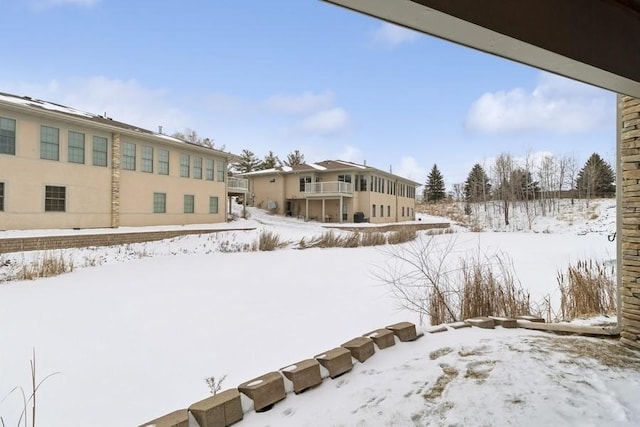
269 241
50 264
373 239
405 234
491 289
587 289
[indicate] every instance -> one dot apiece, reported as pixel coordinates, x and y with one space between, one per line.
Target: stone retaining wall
630 284
23 244
262 393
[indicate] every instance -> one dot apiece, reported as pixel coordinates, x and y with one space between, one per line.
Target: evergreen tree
270 161
248 162
596 178
294 158
523 186
434 188
477 187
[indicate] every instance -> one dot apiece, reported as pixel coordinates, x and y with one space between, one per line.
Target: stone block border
225 408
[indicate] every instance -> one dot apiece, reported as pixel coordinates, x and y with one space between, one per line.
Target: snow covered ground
134 330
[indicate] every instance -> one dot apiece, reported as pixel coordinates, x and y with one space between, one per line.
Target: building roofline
51 109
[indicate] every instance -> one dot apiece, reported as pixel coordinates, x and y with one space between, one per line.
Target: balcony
238 185
330 188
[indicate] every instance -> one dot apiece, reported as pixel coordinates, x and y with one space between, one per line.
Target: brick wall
85 240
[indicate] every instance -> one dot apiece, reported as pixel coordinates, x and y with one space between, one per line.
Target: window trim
46 147
97 154
126 158
74 151
2 188
9 140
163 165
185 165
146 161
191 204
197 167
52 199
159 206
217 205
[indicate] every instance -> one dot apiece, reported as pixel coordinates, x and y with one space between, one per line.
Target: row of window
408 211
55 200
189 203
50 150
376 184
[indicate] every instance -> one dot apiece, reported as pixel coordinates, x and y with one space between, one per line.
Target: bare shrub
328 240
586 289
423 278
351 240
215 385
268 241
403 235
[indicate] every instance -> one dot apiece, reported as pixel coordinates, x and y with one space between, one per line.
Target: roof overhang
593 41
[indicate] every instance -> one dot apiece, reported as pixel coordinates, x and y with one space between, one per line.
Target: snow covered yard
134 340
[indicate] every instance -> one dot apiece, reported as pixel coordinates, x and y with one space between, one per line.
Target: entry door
345 211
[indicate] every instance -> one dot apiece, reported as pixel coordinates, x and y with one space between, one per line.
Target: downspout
600 330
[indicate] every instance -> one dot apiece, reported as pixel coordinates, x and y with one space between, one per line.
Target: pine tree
477 187
248 162
294 158
270 161
434 188
596 178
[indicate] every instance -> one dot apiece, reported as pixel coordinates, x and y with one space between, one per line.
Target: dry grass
48 265
269 241
490 288
373 239
449 373
587 289
403 235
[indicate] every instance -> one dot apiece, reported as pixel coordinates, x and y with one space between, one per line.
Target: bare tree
502 172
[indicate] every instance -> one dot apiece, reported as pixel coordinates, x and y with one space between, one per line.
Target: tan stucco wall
286 187
97 196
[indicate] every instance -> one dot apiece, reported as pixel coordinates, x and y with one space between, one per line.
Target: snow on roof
30 102
287 168
355 165
316 166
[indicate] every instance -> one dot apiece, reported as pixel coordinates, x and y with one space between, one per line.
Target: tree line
508 181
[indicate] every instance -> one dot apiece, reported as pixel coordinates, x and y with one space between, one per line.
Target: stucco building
334 191
63 168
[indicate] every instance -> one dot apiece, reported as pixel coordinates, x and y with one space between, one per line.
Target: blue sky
282 75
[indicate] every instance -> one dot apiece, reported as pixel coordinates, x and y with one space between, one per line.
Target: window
184 165
213 204
163 162
373 211
197 167
389 210
76 147
7 136
220 170
147 160
303 181
49 143
381 211
344 178
1 196
208 171
159 202
189 203
363 183
129 156
54 198
99 151
403 211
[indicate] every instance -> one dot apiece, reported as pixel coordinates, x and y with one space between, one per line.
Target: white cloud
390 35
123 100
410 169
556 104
351 154
327 122
305 103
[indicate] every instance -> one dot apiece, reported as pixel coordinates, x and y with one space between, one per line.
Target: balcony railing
330 187
238 185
